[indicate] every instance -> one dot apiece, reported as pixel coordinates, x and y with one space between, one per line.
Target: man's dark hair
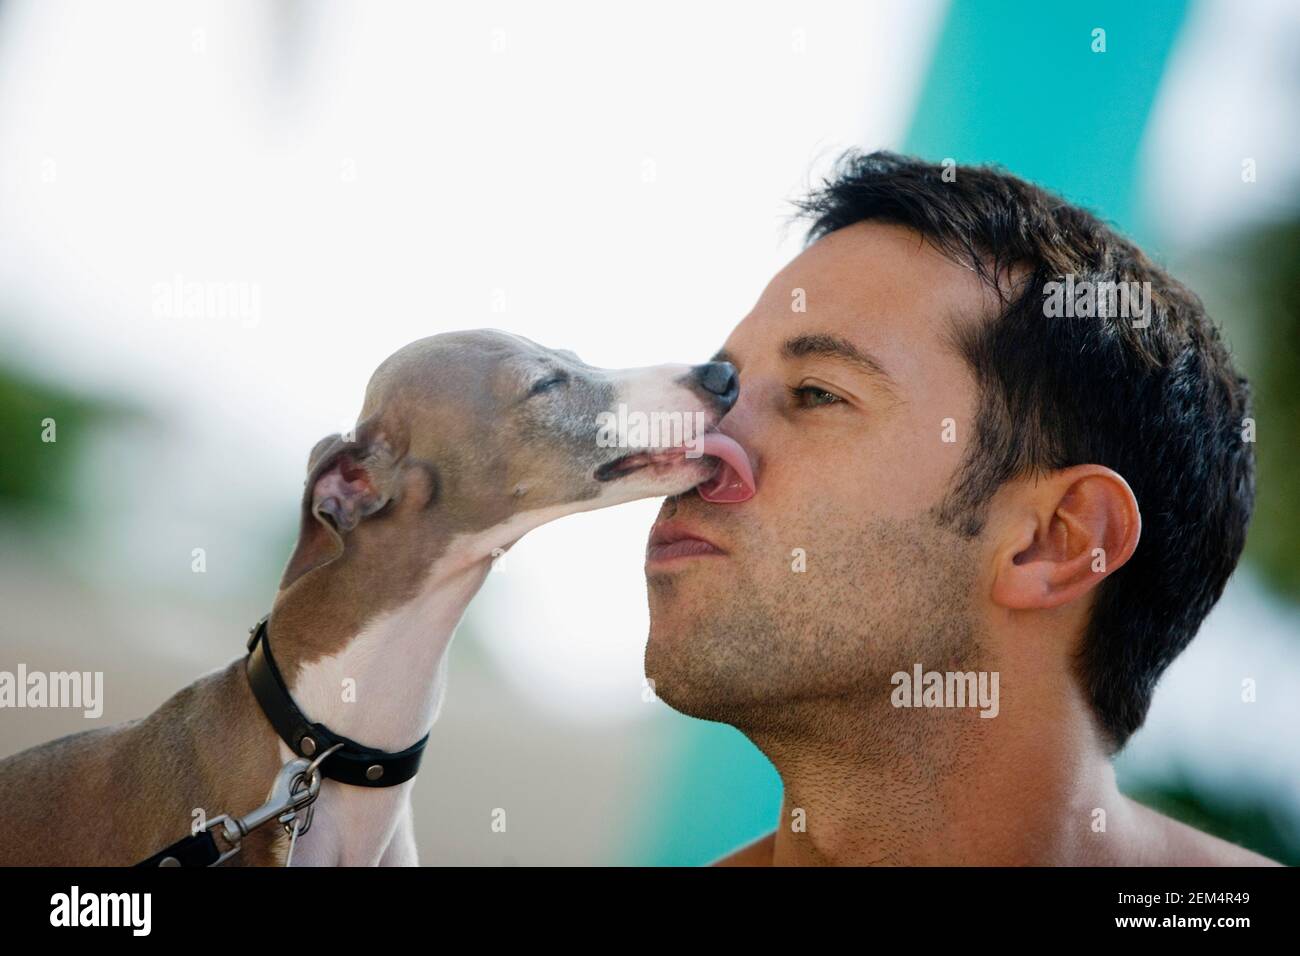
1161 405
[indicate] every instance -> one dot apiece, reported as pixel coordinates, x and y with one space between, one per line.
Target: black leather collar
352 763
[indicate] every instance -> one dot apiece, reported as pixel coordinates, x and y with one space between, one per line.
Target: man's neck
944 787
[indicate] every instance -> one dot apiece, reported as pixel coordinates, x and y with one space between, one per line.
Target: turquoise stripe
722 793
1017 83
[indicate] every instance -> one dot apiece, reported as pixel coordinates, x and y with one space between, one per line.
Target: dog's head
478 437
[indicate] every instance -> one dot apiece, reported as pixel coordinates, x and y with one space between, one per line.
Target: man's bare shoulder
1164 842
758 853
1168 842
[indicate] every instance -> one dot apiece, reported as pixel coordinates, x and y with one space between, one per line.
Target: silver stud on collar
374 772
308 746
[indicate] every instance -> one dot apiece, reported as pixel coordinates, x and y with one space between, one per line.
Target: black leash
298 784
197 850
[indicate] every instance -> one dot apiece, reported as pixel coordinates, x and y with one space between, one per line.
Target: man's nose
717 382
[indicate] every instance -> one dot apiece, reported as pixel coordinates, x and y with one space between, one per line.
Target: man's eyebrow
834 347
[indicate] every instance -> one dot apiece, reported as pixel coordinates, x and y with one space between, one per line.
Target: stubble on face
749 641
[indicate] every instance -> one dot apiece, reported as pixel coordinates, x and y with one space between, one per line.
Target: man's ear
1079 525
347 481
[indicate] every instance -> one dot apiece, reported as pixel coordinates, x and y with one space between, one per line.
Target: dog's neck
363 652
382 685
377 673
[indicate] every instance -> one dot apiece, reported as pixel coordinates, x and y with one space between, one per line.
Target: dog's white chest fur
357 826
383 689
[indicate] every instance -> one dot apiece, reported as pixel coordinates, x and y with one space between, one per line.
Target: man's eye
810 396
546 384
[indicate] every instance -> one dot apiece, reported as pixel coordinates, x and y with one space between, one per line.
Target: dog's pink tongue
734 480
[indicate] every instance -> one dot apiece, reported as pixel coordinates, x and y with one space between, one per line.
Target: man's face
856 413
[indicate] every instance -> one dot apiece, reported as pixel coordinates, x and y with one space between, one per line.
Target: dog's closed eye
549 383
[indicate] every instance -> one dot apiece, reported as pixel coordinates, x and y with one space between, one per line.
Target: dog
465 442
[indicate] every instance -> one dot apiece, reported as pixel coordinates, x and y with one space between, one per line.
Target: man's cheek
915 461
848 480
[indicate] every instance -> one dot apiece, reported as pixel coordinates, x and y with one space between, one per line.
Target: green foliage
38 475
1274 254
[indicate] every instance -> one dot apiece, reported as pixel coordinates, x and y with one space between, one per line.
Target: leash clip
295 789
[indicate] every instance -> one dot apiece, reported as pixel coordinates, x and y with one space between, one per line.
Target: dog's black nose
719 381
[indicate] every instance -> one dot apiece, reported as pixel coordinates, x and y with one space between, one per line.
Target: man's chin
684 581
682 668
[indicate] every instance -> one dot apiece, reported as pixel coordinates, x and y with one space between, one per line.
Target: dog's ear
347 480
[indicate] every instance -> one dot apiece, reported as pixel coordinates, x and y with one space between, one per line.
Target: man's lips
673 539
